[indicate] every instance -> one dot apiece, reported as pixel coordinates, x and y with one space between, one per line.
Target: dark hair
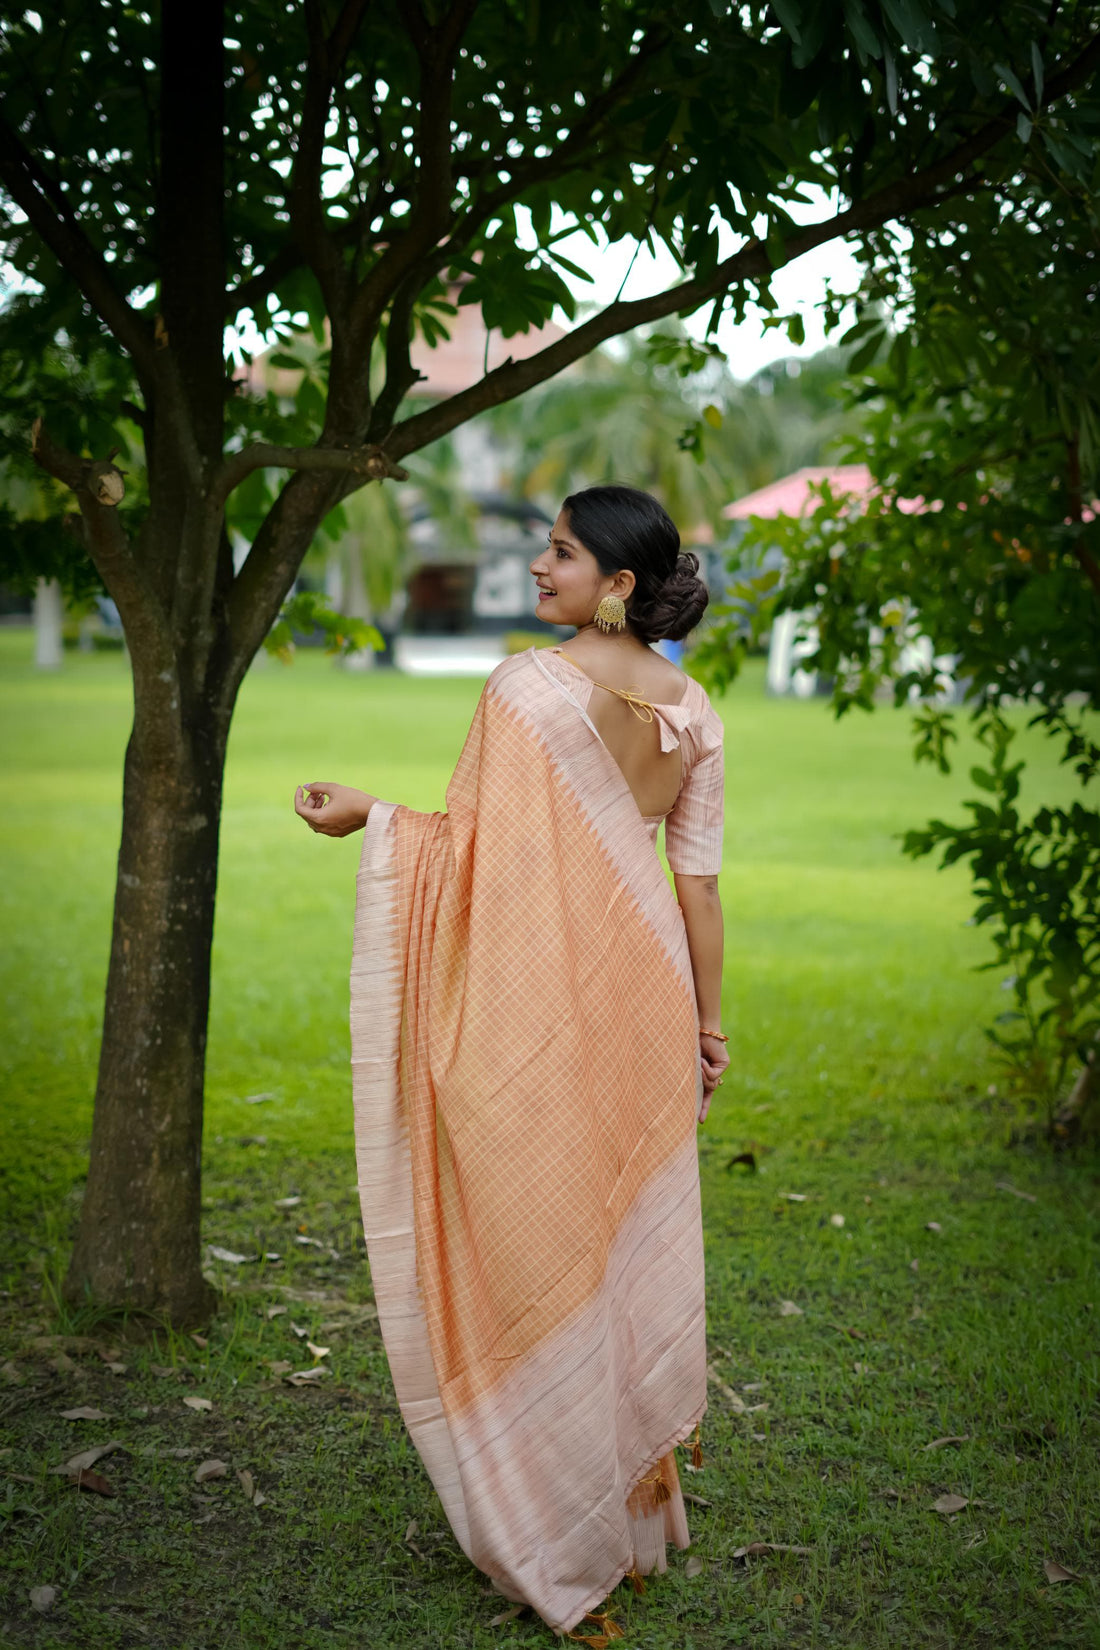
624 527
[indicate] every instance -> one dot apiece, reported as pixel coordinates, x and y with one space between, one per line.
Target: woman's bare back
653 775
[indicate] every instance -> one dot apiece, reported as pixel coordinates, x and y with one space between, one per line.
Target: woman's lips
547 595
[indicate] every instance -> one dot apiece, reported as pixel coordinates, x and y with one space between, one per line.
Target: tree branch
369 462
51 217
98 486
895 200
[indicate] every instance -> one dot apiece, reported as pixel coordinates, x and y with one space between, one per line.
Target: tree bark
138 1241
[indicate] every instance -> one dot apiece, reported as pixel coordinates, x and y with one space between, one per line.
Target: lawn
932 1302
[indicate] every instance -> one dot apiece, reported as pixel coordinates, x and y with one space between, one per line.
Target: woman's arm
698 897
332 810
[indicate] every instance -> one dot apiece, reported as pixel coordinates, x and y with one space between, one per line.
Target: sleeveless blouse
694 825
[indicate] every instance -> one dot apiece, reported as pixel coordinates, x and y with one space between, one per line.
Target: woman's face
569 579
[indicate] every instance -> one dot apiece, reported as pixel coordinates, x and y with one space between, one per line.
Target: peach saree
525 1068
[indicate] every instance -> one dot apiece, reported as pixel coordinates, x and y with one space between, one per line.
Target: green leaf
796 330
1012 82
1037 74
984 781
1023 127
861 31
790 16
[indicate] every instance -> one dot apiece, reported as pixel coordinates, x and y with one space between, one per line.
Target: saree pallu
526 1077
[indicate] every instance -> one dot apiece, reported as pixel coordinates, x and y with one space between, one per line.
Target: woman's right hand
332 810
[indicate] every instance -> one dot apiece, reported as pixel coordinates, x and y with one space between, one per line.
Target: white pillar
47 625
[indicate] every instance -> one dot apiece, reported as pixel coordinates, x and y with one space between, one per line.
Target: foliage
972 567
306 611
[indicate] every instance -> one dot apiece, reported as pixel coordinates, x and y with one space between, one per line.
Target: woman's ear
623 584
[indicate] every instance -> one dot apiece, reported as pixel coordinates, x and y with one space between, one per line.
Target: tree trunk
138 1241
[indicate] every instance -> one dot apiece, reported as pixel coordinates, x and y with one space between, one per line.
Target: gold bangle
717 1035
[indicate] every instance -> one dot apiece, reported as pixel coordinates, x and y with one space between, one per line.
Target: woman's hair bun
676 607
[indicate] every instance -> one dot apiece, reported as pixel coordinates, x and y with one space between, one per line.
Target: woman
528 1063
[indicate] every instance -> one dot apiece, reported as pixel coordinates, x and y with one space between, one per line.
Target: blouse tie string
642 708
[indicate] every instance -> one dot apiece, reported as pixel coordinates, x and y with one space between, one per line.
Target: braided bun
675 607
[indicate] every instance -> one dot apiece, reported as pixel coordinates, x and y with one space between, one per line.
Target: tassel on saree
697 1449
636 1580
599 1641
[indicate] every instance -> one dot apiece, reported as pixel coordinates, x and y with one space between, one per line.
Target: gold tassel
636 1581
697 1449
661 1492
599 1641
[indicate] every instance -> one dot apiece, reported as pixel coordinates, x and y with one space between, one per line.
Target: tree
169 172
982 432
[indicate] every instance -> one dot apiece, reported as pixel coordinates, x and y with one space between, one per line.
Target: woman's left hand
714 1060
332 810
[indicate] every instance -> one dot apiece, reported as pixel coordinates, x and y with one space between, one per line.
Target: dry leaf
164 1372
952 1438
88 1457
725 1389
1007 1186
257 1099
916 1313
229 1256
302 1334
788 1309
93 1481
836 1220
756 1549
863 1369
169 1454
914 1266
117 1369
10 1373
309 1242
932 1226
198 1403
752 1386
1055 1572
508 1615
696 1500
43 1599
259 1499
794 1197
305 1377
287 1202
799 1600
210 1469
84 1413
279 1366
950 1504
694 1567
275 1312
62 1363
248 1483
318 1351
200 1341
755 1409
413 1529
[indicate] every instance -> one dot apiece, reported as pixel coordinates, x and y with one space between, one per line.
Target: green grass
860 1080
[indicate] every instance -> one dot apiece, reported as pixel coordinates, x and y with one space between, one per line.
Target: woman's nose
538 566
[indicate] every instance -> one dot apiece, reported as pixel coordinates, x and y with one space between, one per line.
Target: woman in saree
535 1034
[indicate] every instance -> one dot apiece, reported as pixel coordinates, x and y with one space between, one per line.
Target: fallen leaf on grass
11 1373
932 1226
694 1567
508 1615
275 1312
287 1202
257 1099
952 1438
726 1390
318 1351
296 1329
229 1256
43 1599
836 1220
1055 1572
93 1481
88 1458
305 1377
164 1372
200 1341
788 1309
169 1454
355 1317
752 1386
84 1413
756 1549
252 1140
793 1197
412 1528
198 1403
210 1469
1007 1186
62 1363
309 1242
696 1500
950 1504
917 1313
279 1366
914 1266
863 1369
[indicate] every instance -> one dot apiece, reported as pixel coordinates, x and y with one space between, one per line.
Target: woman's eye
563 554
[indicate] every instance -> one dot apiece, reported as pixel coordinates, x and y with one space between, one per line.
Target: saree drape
525 1073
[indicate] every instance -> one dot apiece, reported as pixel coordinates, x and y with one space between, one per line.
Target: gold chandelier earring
611 614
